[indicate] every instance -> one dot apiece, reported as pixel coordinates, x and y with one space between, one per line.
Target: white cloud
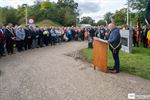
15 3
104 7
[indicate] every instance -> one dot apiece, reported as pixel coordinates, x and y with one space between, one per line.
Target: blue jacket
20 34
115 39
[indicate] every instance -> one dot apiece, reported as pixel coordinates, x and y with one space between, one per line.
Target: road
49 74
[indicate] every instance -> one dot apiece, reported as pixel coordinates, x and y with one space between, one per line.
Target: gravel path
48 74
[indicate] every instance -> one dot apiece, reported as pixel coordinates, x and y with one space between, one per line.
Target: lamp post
26 13
128 13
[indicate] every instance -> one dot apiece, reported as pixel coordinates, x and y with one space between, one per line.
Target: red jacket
2 36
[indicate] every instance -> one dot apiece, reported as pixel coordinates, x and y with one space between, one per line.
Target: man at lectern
115 46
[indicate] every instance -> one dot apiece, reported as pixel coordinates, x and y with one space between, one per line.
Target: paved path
48 74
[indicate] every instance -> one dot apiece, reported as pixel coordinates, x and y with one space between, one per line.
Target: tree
120 17
139 7
8 15
64 12
108 17
87 20
45 5
67 12
101 22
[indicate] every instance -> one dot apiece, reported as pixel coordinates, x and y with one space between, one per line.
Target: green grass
137 63
47 23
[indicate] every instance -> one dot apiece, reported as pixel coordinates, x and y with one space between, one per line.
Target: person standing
102 32
10 39
144 36
46 37
92 33
26 30
37 32
69 34
134 36
2 42
53 36
20 36
115 46
82 34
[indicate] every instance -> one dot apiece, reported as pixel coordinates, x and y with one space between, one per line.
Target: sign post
31 21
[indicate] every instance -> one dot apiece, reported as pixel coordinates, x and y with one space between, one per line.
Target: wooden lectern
100 54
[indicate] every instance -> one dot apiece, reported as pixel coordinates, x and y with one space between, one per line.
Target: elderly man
20 36
115 45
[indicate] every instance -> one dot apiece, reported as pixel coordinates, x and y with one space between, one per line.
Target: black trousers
46 40
10 47
26 44
115 55
135 43
29 43
20 45
40 41
53 40
145 44
2 50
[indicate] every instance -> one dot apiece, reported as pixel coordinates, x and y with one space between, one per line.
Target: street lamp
128 13
26 15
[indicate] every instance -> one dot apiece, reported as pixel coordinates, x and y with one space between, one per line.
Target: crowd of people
21 38
30 37
141 36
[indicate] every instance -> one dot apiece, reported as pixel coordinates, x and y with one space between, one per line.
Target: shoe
111 68
114 71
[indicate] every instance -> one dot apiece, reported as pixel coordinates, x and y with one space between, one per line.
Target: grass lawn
47 23
137 63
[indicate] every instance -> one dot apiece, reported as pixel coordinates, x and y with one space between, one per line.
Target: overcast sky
93 8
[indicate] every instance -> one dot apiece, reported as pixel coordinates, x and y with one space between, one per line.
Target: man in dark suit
115 46
10 38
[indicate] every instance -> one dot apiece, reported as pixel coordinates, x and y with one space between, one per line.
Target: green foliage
101 22
87 20
45 5
63 12
8 15
47 23
139 7
137 10
136 63
120 17
67 12
108 17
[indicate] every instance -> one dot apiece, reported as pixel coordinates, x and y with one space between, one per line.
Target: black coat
92 33
9 37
